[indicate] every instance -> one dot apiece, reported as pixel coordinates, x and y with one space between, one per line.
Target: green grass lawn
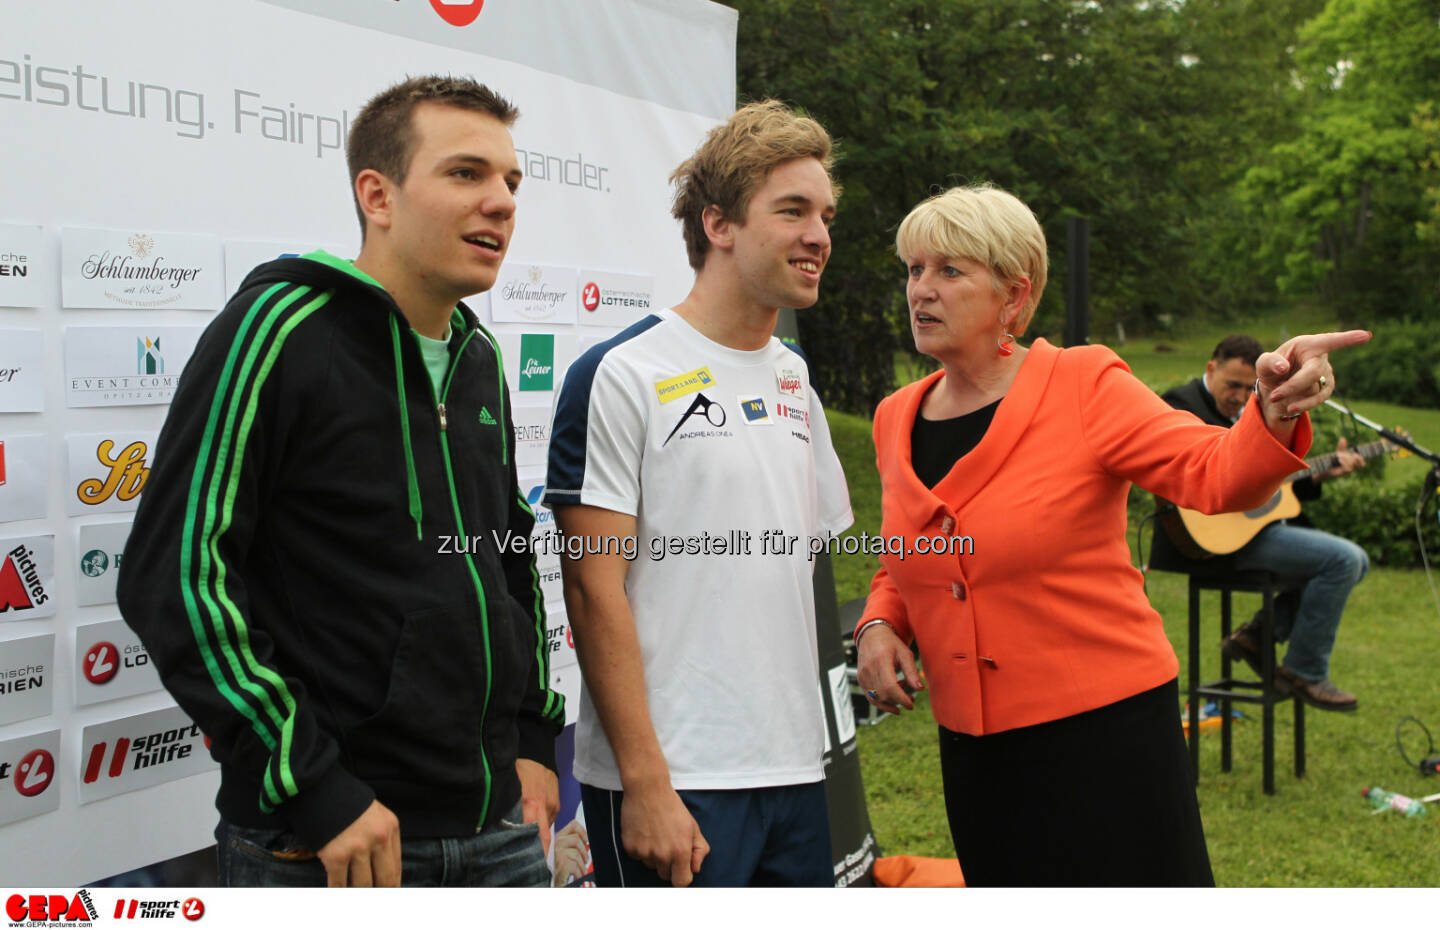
1315 831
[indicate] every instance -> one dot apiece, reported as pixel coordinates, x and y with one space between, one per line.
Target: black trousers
1103 798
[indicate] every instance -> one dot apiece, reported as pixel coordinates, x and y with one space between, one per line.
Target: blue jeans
773 837
506 854
1332 565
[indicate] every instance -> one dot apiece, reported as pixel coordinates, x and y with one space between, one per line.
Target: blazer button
957 588
947 524
989 661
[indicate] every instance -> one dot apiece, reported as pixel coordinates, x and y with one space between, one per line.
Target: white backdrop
195 138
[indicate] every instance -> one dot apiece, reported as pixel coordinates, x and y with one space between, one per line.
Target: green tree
1349 203
1134 114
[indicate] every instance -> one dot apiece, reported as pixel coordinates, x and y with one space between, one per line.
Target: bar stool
1227 687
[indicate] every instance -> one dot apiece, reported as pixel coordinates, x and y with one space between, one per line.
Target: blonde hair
983 224
734 161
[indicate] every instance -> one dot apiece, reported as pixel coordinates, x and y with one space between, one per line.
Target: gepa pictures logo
458 12
76 910
21 587
124 477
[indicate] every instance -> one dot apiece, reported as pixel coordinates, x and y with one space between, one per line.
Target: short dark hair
1238 345
382 137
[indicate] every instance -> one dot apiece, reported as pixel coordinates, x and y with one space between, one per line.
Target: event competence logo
20 585
124 477
709 411
77 910
148 359
458 12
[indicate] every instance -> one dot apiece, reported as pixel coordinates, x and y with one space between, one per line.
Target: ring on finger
872 695
1323 382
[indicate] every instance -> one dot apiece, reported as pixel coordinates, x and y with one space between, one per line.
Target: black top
936 445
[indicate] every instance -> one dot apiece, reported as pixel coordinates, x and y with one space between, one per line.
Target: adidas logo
485 418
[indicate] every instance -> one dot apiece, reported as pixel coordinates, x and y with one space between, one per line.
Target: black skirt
1103 798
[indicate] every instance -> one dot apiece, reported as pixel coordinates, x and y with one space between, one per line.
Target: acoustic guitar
1201 536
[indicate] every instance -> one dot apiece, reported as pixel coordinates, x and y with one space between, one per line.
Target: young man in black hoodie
311 566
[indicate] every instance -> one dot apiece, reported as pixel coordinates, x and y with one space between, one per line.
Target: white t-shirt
718 451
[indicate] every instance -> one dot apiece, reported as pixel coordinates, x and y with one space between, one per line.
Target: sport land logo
77 910
458 12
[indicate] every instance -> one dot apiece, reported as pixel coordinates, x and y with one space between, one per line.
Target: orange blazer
1040 615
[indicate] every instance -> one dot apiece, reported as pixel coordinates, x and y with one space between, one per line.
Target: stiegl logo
125 478
75 911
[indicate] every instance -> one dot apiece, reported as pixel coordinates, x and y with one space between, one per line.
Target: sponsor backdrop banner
25 677
159 150
22 383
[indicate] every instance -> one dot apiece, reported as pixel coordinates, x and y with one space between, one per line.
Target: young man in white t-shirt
695 436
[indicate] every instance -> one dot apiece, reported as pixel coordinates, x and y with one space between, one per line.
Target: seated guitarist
1332 566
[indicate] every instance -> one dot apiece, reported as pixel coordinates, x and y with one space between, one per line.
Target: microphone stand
1427 492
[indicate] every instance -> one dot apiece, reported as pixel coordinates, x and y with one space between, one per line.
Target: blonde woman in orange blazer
1005 475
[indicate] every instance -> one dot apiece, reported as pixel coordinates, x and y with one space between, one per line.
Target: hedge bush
1401 365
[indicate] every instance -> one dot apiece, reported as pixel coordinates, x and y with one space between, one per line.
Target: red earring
1007 345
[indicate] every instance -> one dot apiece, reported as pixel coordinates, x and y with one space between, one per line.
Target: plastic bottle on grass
1380 799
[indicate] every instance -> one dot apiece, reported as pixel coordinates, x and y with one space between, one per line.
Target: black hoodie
292 571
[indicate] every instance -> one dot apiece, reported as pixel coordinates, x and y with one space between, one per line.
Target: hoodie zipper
469 558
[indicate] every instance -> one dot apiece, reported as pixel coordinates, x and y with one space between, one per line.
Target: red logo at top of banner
34 773
590 296
458 12
193 909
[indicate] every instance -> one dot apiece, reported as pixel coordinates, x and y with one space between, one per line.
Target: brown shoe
1322 694
1243 645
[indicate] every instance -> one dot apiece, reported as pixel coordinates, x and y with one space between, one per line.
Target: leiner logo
458 12
537 361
